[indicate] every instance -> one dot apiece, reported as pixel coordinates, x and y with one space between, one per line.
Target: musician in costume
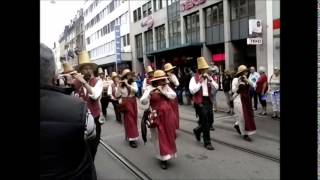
126 91
173 83
112 94
146 81
89 89
245 124
200 86
163 130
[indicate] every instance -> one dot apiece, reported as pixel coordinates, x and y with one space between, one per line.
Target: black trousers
205 114
104 105
116 109
93 144
254 95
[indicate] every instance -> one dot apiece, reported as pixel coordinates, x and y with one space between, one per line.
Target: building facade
179 31
100 19
72 40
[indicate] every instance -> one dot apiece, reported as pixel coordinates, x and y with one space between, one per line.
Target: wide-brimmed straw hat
68 69
125 72
158 75
168 67
114 74
241 68
149 69
85 60
202 63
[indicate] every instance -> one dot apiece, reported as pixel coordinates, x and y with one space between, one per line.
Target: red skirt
175 107
130 110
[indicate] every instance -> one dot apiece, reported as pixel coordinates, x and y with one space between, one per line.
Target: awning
175 48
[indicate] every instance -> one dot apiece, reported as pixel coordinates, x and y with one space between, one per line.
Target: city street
233 158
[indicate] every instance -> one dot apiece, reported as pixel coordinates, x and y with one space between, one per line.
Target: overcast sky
54 16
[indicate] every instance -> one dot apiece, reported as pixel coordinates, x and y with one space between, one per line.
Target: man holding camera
200 86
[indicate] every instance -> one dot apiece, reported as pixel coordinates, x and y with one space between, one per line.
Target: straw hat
114 74
68 69
262 69
158 75
85 60
168 67
125 72
100 71
202 63
241 68
149 69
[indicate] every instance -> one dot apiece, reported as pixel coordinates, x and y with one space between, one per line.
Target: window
208 16
154 5
160 37
128 39
234 10
220 11
139 14
192 27
144 10
215 15
149 8
149 41
243 8
160 4
111 6
88 41
139 50
135 16
251 8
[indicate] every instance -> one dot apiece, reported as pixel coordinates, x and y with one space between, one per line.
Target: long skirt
130 115
175 106
164 135
246 127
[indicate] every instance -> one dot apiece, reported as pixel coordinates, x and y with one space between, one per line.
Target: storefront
182 56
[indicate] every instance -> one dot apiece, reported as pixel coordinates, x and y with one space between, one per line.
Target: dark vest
93 105
63 150
198 96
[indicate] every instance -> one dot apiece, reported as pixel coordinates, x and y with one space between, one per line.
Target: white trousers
275 99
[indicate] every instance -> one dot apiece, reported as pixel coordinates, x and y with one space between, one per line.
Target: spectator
65 126
262 88
274 90
253 78
227 83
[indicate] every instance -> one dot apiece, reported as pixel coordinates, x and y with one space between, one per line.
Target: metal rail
134 169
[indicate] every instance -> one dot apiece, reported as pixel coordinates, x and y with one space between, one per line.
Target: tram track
232 145
140 174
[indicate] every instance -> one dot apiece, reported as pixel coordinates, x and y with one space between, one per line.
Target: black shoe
197 135
212 128
133 144
164 164
247 138
237 128
209 147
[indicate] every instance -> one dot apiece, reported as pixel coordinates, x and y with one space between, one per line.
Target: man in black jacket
65 125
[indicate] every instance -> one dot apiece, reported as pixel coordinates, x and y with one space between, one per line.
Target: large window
137 15
242 8
192 25
174 26
214 15
147 9
149 40
160 35
139 49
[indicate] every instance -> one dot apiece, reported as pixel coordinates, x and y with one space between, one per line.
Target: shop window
208 16
215 15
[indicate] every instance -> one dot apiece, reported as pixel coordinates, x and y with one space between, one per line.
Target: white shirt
123 92
90 131
195 87
96 90
169 93
110 90
144 84
173 78
253 78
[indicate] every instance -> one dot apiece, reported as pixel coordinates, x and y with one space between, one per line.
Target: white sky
54 17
